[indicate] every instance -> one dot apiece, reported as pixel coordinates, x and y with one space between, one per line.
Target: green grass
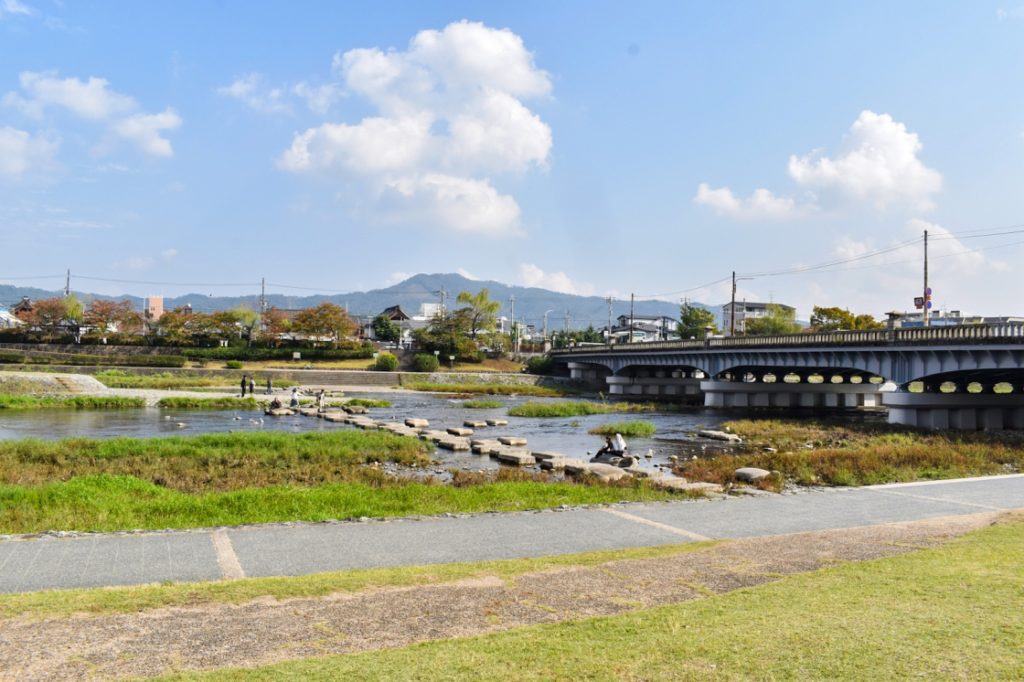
56 603
947 613
578 408
116 378
367 402
822 452
487 389
81 402
221 403
482 404
636 429
108 502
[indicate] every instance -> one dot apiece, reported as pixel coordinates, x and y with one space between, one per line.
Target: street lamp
546 323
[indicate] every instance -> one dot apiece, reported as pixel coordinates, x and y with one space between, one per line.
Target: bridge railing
1010 332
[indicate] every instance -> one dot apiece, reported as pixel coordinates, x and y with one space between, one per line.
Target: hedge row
232 353
93 360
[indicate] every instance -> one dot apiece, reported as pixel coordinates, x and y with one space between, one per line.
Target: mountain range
531 303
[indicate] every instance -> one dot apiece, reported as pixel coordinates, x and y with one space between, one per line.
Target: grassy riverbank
634 429
116 378
221 403
488 389
578 408
823 452
946 613
80 402
482 404
231 479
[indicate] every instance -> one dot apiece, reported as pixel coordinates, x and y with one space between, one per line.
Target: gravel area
266 630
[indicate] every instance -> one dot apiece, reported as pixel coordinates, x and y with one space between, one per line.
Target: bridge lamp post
546 324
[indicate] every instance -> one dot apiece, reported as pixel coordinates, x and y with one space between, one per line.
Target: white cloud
761 205
451 114
138 263
250 90
94 100
466 273
1009 14
144 131
318 98
878 163
532 276
168 254
12 7
21 152
396 277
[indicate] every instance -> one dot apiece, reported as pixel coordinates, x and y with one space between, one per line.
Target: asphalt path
100 560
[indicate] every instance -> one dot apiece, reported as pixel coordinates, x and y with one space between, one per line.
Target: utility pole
926 293
515 337
444 299
67 284
631 302
263 295
568 317
610 299
732 307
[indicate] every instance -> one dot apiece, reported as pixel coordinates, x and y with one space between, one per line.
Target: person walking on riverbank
245 382
252 386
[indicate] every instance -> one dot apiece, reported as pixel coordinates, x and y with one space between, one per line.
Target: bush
386 362
233 364
425 362
11 358
539 365
353 351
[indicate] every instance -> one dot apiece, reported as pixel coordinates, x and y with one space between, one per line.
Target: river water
674 434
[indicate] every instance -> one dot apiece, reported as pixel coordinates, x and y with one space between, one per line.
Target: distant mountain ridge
530 302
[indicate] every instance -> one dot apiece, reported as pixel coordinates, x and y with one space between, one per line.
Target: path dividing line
654 524
230 568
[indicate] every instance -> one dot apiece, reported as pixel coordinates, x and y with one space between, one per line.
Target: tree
325 320
106 316
275 323
833 319
448 335
481 310
777 320
694 322
247 319
176 326
386 330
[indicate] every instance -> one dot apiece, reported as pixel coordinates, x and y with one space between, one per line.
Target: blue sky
589 147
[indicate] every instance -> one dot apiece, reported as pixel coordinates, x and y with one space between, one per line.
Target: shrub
233 364
386 362
482 404
636 429
242 353
539 365
425 362
11 358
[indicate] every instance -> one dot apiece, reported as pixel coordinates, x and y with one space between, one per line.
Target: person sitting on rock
607 448
275 404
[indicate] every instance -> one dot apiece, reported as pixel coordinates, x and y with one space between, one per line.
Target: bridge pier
591 375
779 394
963 411
655 384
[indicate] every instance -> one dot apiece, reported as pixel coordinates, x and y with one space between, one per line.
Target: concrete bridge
964 377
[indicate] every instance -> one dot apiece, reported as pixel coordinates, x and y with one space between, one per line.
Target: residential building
8 320
154 309
643 328
747 310
940 318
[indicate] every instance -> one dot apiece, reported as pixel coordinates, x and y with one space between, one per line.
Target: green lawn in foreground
949 613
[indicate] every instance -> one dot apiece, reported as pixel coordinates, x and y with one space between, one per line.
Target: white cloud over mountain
877 164
95 101
531 275
450 115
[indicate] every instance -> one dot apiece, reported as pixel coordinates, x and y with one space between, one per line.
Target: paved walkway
301 548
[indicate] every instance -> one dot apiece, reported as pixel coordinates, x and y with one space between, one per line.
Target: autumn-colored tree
326 320
275 323
48 315
175 326
105 316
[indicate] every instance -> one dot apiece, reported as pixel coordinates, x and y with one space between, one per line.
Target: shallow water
565 435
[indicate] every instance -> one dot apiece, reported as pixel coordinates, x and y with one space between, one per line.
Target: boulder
751 474
719 435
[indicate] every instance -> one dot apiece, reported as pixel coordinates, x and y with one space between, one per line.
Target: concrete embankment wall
316 377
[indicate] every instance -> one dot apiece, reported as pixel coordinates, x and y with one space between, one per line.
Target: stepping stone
484 446
417 423
459 431
280 412
453 443
497 422
335 417
553 463
512 440
355 409
515 456
309 411
542 455
606 472
474 424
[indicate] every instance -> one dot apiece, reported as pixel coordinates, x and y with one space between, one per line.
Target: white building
747 310
7 320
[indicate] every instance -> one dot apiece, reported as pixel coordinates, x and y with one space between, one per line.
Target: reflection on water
566 435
